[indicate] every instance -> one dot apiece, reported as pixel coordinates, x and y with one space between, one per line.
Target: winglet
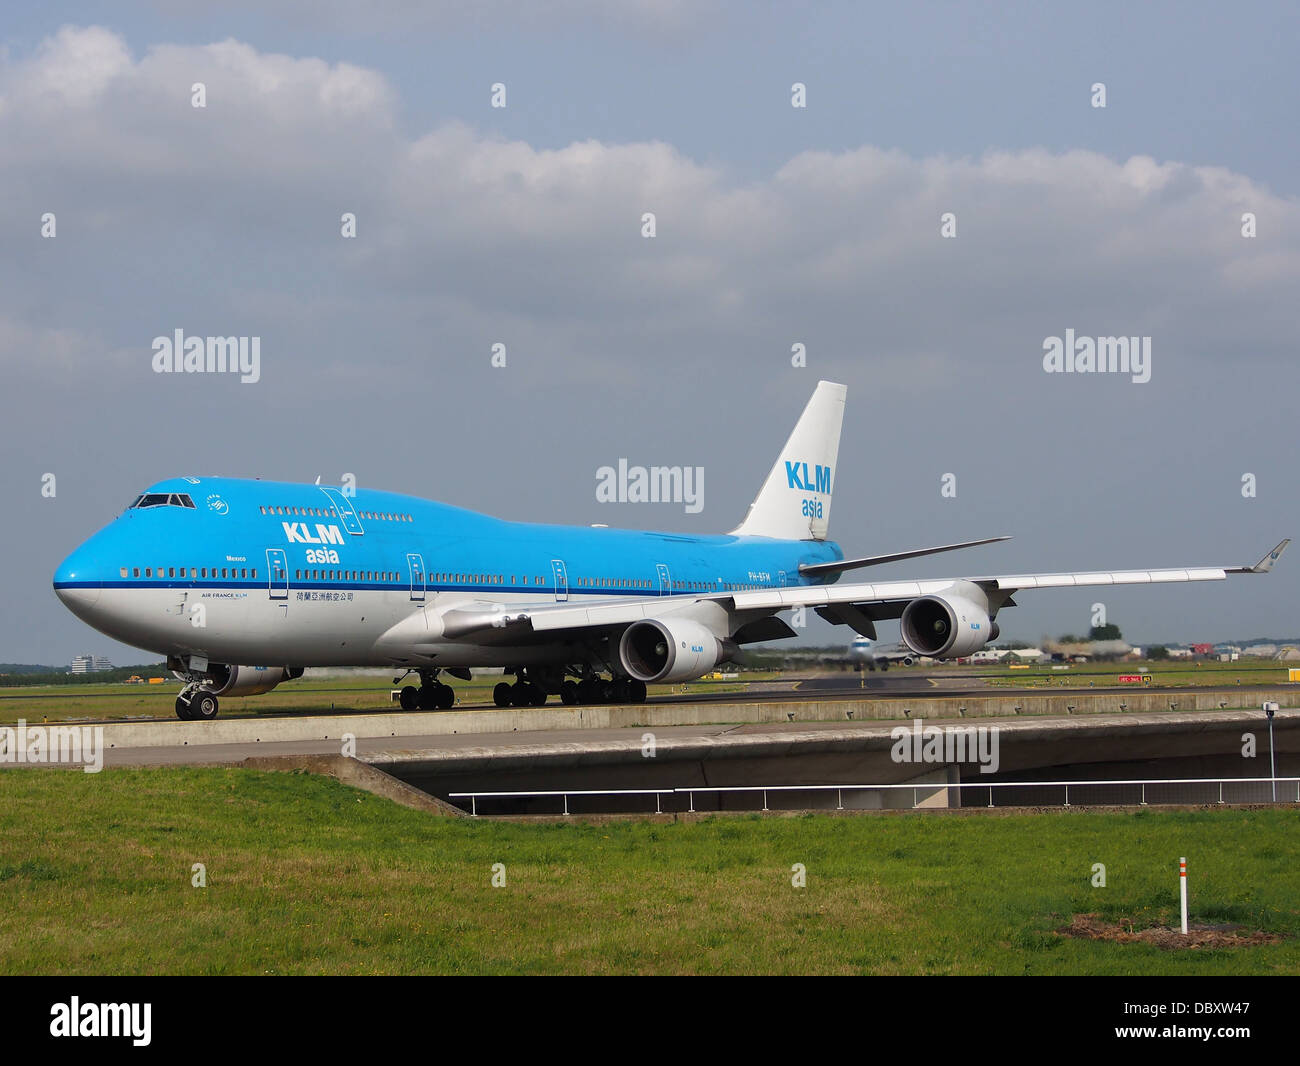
1265 564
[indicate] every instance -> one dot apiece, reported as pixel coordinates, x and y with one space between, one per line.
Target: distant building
90 664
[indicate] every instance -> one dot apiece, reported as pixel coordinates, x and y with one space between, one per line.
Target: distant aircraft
866 653
216 573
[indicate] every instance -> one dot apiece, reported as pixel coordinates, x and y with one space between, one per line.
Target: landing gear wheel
587 690
618 690
538 695
501 694
203 707
427 699
183 710
519 694
635 690
568 693
410 698
446 697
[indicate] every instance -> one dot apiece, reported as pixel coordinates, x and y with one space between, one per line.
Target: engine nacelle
222 680
946 627
670 650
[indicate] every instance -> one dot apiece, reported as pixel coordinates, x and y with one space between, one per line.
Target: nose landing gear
196 704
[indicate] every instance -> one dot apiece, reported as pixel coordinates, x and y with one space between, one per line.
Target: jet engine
222 680
677 649
946 627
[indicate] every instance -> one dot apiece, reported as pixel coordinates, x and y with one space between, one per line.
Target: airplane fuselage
259 572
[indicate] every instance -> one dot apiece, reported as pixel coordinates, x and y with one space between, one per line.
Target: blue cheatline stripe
302 586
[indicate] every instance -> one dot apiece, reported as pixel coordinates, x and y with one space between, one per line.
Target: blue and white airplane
865 653
216 573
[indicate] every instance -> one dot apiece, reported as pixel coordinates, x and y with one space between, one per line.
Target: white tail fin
795 500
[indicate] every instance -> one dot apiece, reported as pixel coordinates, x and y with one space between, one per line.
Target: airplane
866 653
216 573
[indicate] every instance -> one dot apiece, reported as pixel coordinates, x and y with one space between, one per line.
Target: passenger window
204 571
135 571
171 571
124 571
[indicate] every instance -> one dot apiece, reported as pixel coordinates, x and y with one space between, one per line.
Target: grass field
305 875
1105 675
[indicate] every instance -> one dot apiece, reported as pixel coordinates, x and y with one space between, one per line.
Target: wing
857 605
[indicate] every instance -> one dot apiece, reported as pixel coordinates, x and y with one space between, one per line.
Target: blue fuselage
364 558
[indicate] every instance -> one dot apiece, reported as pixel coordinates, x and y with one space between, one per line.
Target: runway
894 685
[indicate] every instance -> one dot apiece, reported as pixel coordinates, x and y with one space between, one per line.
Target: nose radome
77 581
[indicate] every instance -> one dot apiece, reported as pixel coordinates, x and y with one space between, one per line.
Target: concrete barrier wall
531 719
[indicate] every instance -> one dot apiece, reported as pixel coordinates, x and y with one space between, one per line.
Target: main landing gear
196 704
530 691
432 695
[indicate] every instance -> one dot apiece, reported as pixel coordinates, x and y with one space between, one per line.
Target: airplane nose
76 582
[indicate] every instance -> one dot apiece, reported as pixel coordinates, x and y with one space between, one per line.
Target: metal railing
474 797
930 788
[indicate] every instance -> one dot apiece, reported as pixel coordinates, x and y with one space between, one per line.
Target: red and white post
1182 889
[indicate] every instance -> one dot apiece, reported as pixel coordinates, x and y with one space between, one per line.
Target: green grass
1106 675
308 876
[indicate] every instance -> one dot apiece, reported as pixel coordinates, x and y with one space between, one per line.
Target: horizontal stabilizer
876 560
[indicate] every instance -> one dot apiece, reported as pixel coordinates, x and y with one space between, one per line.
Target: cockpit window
163 499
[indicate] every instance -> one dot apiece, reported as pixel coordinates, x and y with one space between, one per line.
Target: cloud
233 211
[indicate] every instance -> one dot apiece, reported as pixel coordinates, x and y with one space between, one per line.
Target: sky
774 226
